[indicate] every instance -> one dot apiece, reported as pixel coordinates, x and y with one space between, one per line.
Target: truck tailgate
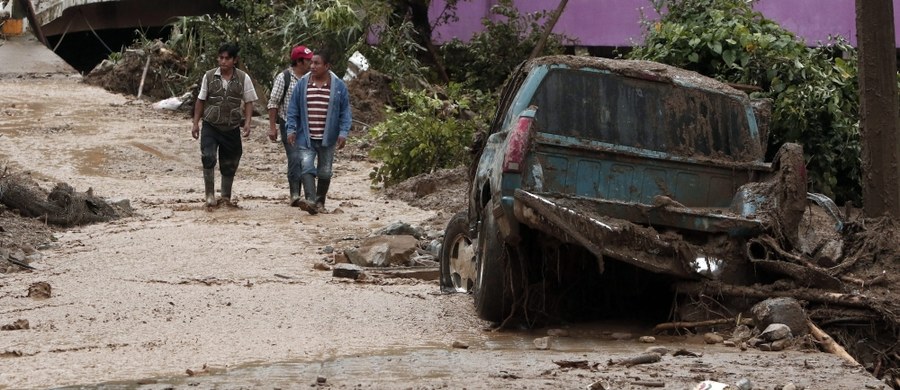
588 222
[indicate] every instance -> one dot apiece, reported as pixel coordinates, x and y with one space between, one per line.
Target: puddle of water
90 162
489 352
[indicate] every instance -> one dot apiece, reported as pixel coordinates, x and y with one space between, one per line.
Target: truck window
643 114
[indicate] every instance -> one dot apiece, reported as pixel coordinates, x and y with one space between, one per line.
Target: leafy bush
428 132
815 90
489 57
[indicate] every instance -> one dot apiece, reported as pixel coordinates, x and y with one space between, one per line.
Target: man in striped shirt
318 122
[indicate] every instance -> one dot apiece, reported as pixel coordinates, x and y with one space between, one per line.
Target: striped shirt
317 96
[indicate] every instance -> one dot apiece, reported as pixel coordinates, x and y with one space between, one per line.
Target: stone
39 290
383 251
781 345
744 384
542 343
320 266
17 255
776 332
741 333
460 345
728 343
349 271
785 311
328 249
712 338
647 339
556 332
400 229
321 379
789 386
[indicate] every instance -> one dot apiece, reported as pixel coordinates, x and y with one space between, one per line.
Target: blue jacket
338 121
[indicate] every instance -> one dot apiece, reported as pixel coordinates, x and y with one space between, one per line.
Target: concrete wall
616 23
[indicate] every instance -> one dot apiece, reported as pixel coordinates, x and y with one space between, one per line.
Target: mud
231 297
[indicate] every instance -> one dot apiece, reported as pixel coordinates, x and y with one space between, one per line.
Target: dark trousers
227 144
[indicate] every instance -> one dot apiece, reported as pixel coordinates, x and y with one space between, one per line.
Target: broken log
63 206
829 344
697 324
713 289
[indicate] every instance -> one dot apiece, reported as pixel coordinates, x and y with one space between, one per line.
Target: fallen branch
829 344
848 300
697 324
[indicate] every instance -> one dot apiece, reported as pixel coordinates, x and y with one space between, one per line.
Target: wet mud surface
178 296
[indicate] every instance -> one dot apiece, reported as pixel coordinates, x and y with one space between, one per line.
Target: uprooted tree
62 206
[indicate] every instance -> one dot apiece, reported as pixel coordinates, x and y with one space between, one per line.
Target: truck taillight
517 143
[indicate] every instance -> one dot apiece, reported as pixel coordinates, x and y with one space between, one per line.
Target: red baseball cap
301 52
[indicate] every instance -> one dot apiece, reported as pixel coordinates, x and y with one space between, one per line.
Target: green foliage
488 58
428 133
815 90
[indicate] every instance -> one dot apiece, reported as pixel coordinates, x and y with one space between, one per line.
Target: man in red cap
282 88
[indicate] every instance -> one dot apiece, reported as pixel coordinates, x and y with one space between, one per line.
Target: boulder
383 251
785 311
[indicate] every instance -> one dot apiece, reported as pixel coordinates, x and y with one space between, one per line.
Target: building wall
615 23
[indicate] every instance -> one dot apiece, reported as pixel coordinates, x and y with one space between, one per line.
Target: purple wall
617 22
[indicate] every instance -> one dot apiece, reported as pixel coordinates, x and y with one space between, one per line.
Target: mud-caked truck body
631 161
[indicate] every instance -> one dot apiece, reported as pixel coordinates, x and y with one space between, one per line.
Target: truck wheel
458 270
493 298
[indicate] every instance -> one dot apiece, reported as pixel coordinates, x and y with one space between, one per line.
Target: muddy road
178 296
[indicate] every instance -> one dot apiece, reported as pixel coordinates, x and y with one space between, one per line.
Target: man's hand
273 133
246 132
291 138
340 143
195 131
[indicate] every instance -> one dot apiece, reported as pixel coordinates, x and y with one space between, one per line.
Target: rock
765 347
434 248
781 345
399 229
17 255
556 332
785 311
647 339
460 345
320 266
776 332
321 379
712 338
621 336
383 251
18 325
424 261
341 258
39 290
741 333
328 249
350 271
728 343
744 384
789 386
4 254
657 349
542 343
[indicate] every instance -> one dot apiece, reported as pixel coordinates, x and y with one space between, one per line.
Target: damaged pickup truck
622 176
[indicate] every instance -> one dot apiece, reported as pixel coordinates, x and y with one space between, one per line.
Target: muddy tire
458 271
493 292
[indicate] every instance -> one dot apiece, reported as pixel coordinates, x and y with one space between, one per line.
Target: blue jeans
294 169
317 159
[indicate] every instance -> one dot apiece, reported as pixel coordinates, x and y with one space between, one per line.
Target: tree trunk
878 108
548 29
63 206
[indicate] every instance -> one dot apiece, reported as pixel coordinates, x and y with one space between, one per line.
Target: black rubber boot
309 192
321 192
227 181
209 182
295 193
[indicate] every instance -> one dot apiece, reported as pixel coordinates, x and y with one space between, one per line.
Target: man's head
228 53
320 64
299 53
